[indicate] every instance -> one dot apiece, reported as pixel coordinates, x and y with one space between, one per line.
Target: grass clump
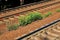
48 14
28 19
22 20
32 16
58 10
35 16
12 27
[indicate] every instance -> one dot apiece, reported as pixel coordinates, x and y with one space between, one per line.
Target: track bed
24 30
49 32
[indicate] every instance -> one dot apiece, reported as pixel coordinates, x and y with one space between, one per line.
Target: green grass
13 27
58 10
22 20
35 15
29 18
32 16
48 14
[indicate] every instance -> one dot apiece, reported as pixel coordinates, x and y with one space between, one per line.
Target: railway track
25 30
24 5
48 32
28 8
39 8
